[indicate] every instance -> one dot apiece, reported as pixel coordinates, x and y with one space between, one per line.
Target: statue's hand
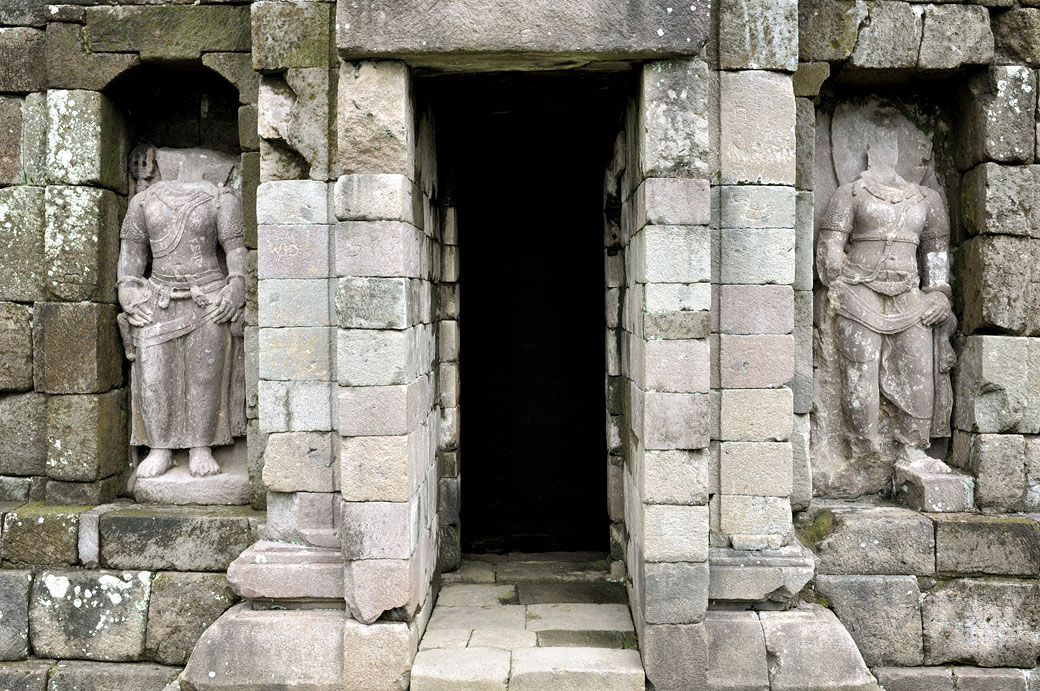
232 299
140 315
937 310
134 298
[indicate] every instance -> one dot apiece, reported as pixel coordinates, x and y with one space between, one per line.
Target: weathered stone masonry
755 552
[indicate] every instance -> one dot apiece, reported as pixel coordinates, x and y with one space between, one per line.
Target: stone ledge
280 571
771 578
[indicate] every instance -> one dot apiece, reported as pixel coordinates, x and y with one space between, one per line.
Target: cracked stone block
87 140
81 243
766 576
970 544
303 517
996 622
374 586
1001 200
997 117
955 35
76 347
180 538
675 655
890 38
21 243
996 302
736 651
282 571
186 31
882 613
295 406
293 123
299 461
375 119
181 608
828 29
874 541
97 615
22 54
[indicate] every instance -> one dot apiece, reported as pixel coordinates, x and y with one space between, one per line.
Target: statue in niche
182 290
882 254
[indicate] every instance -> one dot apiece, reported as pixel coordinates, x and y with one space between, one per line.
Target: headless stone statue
883 253
182 321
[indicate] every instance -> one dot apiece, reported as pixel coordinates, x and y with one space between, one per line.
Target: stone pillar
663 360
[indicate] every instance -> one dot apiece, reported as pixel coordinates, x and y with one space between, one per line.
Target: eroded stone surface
182 606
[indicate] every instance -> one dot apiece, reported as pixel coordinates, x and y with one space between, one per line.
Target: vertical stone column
755 298
998 373
664 359
448 451
387 259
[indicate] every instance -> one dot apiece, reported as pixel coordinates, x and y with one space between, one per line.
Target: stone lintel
473 35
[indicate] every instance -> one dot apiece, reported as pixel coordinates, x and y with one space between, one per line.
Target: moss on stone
822 526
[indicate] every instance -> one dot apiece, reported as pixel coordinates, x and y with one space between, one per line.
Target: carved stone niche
883 321
182 290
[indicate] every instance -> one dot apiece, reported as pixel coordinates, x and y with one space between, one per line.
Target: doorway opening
522 160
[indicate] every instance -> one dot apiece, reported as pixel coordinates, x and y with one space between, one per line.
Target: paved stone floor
530 622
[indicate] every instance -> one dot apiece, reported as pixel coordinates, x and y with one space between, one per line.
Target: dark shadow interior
522 158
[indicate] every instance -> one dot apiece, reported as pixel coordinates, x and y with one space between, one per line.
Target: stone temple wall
754 557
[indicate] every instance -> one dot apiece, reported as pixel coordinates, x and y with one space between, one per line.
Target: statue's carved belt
886 282
885 237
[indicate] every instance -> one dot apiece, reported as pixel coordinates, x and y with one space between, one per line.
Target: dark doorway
522 158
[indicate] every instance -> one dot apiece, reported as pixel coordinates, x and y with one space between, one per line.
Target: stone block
377 530
675 533
374 586
993 383
36 534
810 76
81 243
87 140
996 291
291 302
182 606
758 255
71 65
293 124
758 35
175 538
995 125
756 362
675 656
979 679
676 325
675 593
94 615
281 571
915 678
1017 34
288 251
579 668
757 206
293 202
484 36
290 34
309 518
773 577
377 303
673 254
466 669
21 243
997 461
891 38
382 655
378 248
828 29
758 128
756 414
161 32
810 643
367 357
22 52
933 492
11 146
237 68
736 651
996 622
755 469
677 366
745 518
1001 200
249 167
110 676
76 348
987 545
502 617
805 141
299 462
379 468
86 438
23 434
882 613
756 309
84 493
295 354
378 197
676 421
30 675
675 477
875 541
23 13
247 648
376 119
448 384
674 138
14 603
954 36
295 406
383 410
671 201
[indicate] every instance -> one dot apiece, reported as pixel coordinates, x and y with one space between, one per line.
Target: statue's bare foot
157 462
201 462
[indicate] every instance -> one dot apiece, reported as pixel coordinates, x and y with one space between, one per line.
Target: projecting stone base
934 487
230 487
771 578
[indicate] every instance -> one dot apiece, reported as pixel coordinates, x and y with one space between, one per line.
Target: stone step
517 567
527 669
